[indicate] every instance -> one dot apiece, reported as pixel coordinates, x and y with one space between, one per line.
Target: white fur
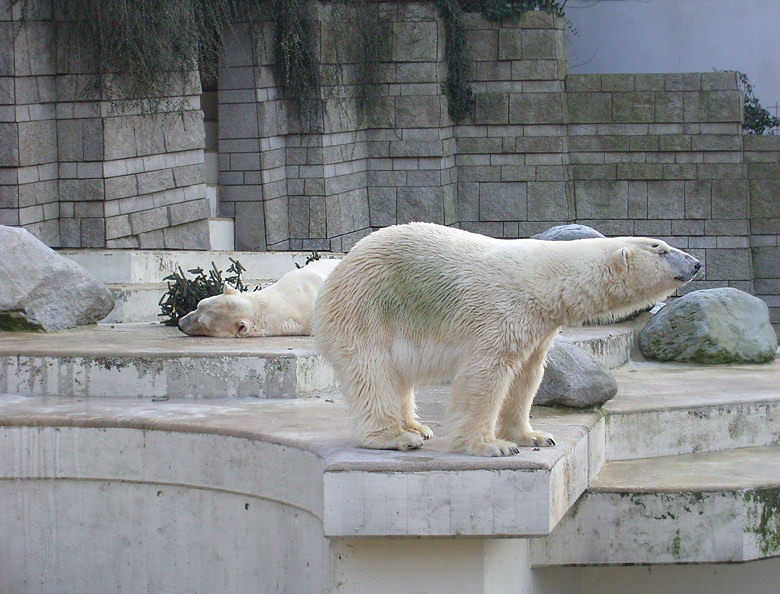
420 302
283 309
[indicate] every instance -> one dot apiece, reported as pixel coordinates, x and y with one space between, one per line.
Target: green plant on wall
457 87
757 119
138 47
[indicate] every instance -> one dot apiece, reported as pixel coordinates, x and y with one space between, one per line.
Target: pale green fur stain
418 300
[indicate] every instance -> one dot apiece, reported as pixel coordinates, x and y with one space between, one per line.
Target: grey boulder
41 290
574 378
567 233
711 326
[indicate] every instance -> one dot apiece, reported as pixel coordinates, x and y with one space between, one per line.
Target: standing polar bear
421 302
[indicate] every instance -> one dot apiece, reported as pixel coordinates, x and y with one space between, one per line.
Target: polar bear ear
242 328
618 261
228 290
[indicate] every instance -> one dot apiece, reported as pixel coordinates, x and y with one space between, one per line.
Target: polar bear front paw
414 427
534 439
497 447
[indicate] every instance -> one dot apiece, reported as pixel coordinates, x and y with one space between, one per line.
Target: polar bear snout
686 265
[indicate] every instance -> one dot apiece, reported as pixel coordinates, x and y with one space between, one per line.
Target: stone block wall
762 164
79 171
661 155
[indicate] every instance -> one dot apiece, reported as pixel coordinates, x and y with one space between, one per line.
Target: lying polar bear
416 303
283 309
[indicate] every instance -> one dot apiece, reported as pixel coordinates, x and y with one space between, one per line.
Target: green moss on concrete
763 518
16 321
676 544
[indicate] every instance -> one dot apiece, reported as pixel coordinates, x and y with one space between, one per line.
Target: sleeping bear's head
646 269
231 315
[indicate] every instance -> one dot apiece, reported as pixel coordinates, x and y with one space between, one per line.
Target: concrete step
710 507
155 361
248 448
151 360
136 277
671 409
151 266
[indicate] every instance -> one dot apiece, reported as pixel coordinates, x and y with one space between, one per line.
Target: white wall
621 36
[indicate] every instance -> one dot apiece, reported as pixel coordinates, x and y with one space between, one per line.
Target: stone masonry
643 154
79 171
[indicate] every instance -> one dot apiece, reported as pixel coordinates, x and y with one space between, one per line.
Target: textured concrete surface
668 409
151 360
695 508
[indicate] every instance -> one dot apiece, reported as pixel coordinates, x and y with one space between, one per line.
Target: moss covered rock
41 290
712 326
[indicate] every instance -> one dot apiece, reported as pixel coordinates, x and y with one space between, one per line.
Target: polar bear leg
514 421
477 393
409 414
375 403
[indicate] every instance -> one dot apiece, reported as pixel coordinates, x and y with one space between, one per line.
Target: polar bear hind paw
387 440
497 447
423 430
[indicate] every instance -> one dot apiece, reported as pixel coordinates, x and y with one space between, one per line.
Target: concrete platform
668 409
248 447
710 507
154 361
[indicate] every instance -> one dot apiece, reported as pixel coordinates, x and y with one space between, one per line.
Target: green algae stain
763 518
676 544
16 321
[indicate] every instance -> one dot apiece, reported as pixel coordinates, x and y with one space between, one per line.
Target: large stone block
713 106
503 201
764 198
547 201
491 108
540 44
81 190
6 49
510 44
186 212
37 142
119 137
633 107
250 226
9 147
535 108
417 111
415 42
601 199
589 108
665 199
185 131
40 289
420 204
728 264
669 107
730 199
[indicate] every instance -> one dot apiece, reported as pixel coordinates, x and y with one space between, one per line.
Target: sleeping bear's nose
697 265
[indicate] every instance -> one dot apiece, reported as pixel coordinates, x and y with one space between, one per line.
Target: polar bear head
646 269
231 314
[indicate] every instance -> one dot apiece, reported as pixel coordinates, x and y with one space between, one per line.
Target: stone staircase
691 472
681 467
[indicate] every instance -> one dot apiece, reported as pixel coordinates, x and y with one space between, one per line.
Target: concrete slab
151 360
354 492
711 507
669 409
